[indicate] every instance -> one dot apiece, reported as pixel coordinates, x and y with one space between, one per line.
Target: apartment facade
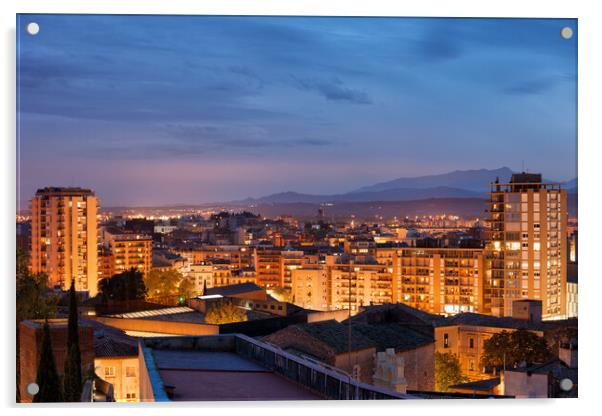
132 251
310 288
64 237
440 280
268 266
527 254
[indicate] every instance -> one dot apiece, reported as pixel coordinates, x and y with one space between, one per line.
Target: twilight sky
151 110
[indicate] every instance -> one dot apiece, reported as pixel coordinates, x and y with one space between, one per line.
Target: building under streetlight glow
64 237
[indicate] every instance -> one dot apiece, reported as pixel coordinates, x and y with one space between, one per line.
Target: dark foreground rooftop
213 375
236 367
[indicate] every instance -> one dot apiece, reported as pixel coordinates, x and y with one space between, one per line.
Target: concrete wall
362 358
419 367
522 385
338 315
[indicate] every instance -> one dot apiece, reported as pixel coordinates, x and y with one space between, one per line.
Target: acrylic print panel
295 208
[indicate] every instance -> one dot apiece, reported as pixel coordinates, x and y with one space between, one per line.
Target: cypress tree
47 377
73 363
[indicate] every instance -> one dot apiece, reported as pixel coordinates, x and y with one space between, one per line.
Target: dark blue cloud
333 89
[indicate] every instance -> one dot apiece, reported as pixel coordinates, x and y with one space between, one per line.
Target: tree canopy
510 348
447 371
224 312
167 283
125 286
34 299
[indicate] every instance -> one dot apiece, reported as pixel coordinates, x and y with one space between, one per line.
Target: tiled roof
111 342
107 346
396 312
393 335
336 335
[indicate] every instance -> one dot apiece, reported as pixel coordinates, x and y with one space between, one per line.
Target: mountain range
456 184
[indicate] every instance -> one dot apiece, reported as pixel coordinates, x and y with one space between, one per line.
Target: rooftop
67 191
480 385
236 367
394 335
174 314
476 319
233 289
396 313
336 335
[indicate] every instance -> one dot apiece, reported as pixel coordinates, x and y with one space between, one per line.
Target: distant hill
457 184
472 180
401 194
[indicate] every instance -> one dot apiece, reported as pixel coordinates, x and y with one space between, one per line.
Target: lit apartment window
445 341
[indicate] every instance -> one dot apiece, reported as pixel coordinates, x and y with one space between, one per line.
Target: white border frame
590 68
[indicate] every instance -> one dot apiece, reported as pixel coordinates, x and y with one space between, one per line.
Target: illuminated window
445 341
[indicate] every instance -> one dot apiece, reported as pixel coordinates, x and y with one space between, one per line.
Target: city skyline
210 109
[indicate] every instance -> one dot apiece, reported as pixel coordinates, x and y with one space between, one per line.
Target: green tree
125 286
224 312
186 287
47 377
510 348
34 299
447 371
162 283
73 362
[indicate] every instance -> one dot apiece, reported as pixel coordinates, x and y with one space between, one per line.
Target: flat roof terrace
236 367
219 376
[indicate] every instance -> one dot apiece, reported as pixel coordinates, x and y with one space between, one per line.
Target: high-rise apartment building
64 237
526 255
